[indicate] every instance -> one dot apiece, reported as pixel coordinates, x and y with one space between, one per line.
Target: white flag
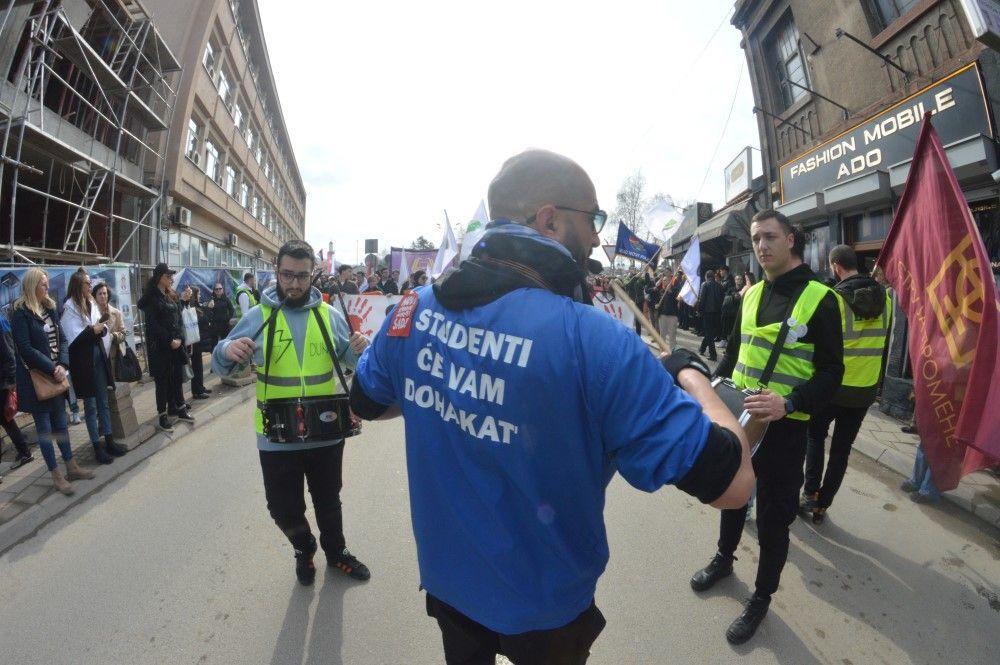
690 264
404 269
446 252
662 219
475 230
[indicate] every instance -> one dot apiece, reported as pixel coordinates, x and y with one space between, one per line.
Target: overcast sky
400 110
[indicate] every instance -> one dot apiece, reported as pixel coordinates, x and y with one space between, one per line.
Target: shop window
786 61
213 254
817 250
868 227
887 11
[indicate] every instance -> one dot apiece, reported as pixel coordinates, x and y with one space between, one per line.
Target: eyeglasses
289 276
599 216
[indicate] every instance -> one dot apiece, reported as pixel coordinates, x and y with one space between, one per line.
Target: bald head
535 178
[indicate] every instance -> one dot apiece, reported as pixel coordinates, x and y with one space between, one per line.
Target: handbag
46 387
126 366
189 319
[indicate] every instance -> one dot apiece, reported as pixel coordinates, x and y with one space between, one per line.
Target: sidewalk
28 499
881 440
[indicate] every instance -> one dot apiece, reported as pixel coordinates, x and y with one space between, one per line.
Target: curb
963 497
31 521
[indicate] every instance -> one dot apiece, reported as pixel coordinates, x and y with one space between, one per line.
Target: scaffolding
85 112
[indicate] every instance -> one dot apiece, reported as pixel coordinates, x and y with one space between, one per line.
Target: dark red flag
935 259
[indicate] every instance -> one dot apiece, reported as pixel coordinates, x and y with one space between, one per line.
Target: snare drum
733 398
308 419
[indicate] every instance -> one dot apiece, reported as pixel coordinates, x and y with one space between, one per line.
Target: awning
732 222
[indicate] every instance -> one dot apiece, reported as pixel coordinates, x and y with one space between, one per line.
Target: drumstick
640 317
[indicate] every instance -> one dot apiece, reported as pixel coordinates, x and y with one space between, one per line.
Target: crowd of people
53 355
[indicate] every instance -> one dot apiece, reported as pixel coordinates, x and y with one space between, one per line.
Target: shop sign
984 19
739 175
957 102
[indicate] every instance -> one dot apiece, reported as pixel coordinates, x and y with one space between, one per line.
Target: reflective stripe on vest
250 296
864 342
795 362
289 375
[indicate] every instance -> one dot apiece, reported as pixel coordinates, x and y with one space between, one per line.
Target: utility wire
723 134
684 77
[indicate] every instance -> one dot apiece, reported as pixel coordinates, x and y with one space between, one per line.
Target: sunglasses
598 217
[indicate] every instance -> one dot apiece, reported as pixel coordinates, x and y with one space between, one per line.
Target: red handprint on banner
614 310
359 310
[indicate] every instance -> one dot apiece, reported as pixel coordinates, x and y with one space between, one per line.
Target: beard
292 302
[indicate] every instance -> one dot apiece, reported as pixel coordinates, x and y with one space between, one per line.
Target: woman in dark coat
42 347
165 345
89 367
8 385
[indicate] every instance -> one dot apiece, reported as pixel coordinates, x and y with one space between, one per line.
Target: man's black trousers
778 465
467 642
846 425
284 473
712 322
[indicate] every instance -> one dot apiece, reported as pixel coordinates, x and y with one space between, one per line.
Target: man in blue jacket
520 402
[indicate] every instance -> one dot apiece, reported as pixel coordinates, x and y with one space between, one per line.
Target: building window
244 193
224 87
209 58
238 115
192 140
887 11
264 216
255 205
230 181
787 62
250 137
211 160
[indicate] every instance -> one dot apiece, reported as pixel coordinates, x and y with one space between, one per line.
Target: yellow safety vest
253 301
289 375
864 342
795 362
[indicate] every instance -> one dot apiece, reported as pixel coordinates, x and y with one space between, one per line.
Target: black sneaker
908 486
201 396
206 391
184 415
305 571
163 423
350 566
21 460
745 625
720 566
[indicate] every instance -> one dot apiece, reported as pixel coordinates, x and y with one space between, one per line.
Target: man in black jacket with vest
778 462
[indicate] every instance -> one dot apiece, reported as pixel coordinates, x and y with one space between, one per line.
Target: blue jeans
921 477
97 407
50 421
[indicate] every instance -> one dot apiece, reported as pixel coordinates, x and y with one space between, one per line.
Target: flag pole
640 317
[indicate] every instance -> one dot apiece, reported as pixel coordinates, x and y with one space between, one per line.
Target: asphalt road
178 562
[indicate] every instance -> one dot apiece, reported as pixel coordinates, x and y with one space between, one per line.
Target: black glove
684 359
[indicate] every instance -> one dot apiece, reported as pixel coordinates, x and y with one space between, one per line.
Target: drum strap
329 347
782 334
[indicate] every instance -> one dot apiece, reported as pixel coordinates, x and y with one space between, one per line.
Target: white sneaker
74 419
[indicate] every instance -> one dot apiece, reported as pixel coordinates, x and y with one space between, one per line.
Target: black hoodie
824 332
866 298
